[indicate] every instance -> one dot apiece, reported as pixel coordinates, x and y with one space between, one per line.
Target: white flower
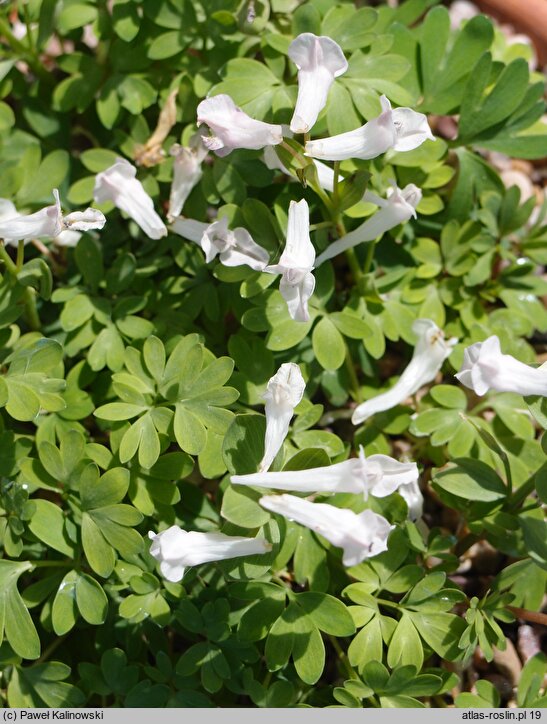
360 535
429 354
283 393
186 172
119 184
485 368
401 129
176 549
49 222
413 498
67 238
234 248
399 207
233 128
378 475
319 60
296 263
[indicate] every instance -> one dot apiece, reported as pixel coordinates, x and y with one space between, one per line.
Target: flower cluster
223 128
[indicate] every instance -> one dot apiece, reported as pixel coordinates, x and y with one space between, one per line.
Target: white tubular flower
233 128
67 238
378 475
119 184
235 248
49 222
413 498
176 549
186 173
296 263
429 354
397 209
486 368
319 60
360 535
283 393
401 129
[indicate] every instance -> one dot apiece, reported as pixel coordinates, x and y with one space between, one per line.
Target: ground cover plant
272 398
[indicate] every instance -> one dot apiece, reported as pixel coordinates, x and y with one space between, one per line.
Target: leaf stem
354 264
29 298
20 254
369 257
335 182
8 262
52 564
534 616
354 382
350 671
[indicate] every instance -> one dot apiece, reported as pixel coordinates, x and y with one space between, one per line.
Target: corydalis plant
401 129
119 184
296 263
430 352
319 60
48 222
232 128
399 207
283 393
360 535
234 247
176 549
377 475
486 368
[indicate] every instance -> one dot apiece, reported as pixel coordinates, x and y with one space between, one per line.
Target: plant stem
350 671
354 382
389 604
50 649
31 47
465 544
52 564
24 52
29 298
354 264
526 615
6 258
20 255
370 256
321 225
521 494
335 182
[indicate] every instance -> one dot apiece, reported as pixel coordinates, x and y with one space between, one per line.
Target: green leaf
48 524
405 646
243 446
189 430
327 613
99 553
534 531
64 612
90 263
125 19
91 599
240 506
16 624
472 480
328 345
308 650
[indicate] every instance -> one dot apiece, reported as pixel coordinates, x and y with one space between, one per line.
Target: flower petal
319 60
297 295
233 128
119 184
429 354
411 129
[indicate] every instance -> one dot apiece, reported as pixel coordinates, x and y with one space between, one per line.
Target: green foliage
132 373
